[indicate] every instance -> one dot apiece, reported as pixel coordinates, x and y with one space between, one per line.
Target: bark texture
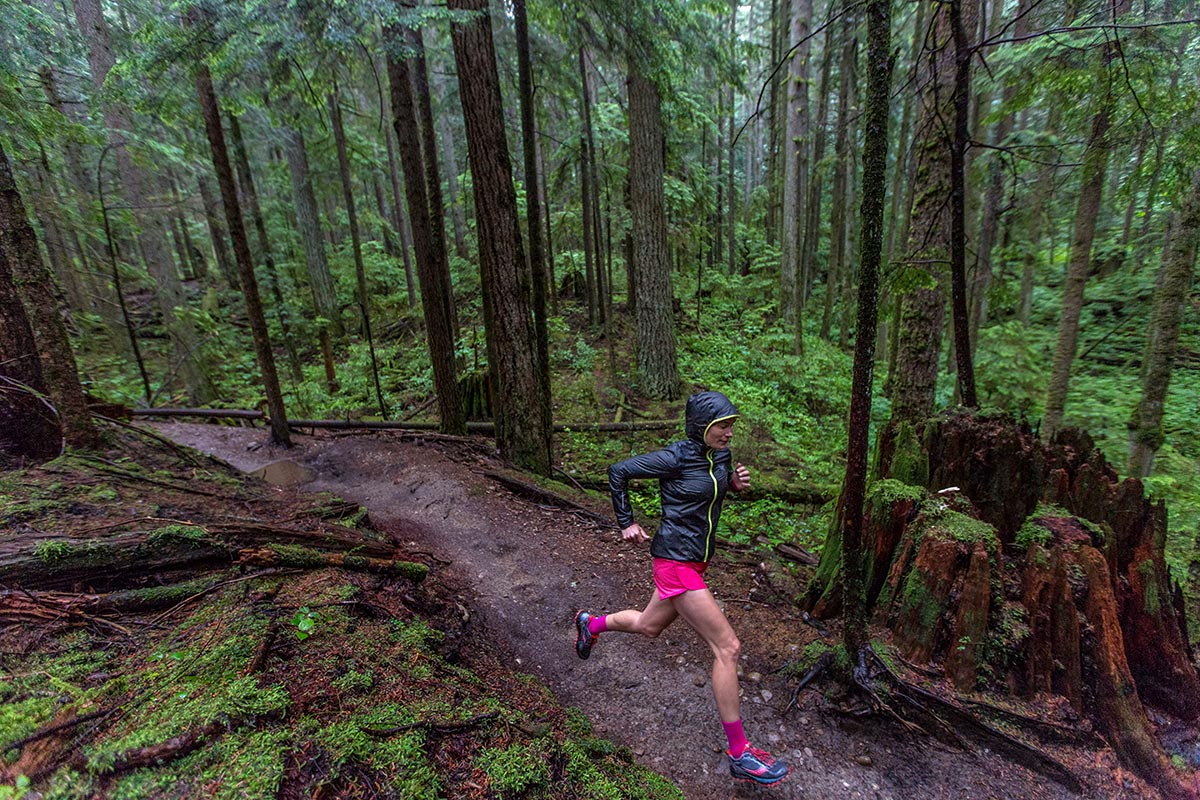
19 248
522 430
1158 358
436 299
28 428
657 362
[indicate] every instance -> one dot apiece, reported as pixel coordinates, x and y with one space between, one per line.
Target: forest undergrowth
794 406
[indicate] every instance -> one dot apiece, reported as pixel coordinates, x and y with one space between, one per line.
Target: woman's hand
740 479
635 533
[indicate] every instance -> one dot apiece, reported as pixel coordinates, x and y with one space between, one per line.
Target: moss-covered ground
316 682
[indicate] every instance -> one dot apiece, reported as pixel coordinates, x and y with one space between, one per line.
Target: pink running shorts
676 577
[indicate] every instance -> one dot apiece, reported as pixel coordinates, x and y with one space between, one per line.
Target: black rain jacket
692 481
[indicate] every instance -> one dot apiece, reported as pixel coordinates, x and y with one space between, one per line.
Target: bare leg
651 621
700 610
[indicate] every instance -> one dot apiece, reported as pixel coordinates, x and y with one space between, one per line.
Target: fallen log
277 555
117 558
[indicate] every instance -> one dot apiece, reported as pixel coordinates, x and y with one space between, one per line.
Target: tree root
176 747
950 716
540 495
434 726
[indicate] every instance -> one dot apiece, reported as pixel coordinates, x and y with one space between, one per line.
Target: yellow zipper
716 489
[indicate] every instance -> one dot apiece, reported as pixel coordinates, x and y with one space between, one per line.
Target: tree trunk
729 182
436 300
657 361
217 235
839 200
28 425
308 221
963 17
458 215
241 249
360 270
398 206
522 429
533 211
138 185
1095 164
265 254
423 107
879 76
586 189
795 163
812 223
902 175
927 251
1066 613
1158 358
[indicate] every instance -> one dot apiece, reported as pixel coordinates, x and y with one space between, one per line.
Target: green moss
53 552
180 533
577 722
354 682
890 490
345 742
294 555
103 494
404 759
514 769
19 719
951 525
355 562
1032 532
909 462
916 600
174 592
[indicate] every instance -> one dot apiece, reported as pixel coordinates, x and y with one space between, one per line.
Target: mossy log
307 558
126 556
1033 566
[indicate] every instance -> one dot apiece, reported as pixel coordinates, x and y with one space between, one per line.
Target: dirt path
529 569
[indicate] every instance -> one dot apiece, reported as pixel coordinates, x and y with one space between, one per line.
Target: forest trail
524 569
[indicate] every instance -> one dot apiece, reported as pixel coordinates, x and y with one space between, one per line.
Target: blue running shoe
584 638
758 766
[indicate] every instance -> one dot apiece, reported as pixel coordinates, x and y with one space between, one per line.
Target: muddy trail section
522 568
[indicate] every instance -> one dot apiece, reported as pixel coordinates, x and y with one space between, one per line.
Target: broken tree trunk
1031 566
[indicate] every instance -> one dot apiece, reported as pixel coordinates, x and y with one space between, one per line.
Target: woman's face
719 433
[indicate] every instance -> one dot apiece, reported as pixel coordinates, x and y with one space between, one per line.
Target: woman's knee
648 628
728 650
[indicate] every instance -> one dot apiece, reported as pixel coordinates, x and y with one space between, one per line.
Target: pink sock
736 736
596 625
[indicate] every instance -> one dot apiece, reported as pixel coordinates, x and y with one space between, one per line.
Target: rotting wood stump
1027 567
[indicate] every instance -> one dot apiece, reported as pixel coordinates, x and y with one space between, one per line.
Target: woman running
693 476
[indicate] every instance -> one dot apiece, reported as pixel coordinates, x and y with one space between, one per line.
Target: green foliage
305 621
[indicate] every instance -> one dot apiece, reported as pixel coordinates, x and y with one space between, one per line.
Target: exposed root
434 726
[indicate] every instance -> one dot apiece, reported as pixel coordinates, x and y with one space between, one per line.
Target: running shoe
584 638
758 766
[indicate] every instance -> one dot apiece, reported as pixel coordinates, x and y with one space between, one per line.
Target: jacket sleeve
659 464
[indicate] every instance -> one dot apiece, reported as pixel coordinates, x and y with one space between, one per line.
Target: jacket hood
703 409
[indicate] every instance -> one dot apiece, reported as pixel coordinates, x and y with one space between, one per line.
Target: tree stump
1028 567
